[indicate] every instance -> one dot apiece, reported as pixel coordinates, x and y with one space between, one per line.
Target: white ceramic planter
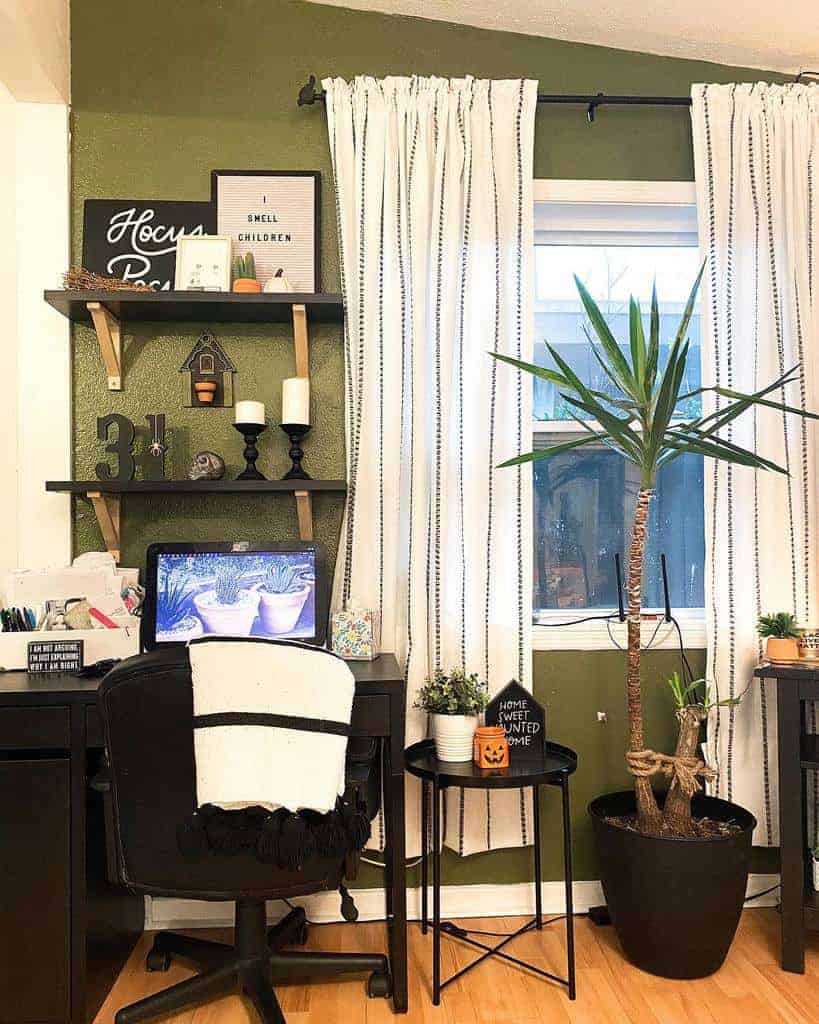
279 613
227 619
454 736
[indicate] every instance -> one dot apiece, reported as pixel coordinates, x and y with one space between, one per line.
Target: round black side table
554 769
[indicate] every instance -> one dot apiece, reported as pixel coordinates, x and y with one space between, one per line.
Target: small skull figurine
206 466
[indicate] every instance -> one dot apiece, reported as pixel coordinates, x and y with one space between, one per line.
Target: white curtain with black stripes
435 220
755 149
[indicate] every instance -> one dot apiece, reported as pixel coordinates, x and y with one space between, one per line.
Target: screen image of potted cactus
781 635
244 274
228 609
175 619
282 596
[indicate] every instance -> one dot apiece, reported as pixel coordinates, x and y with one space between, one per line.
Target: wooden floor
750 987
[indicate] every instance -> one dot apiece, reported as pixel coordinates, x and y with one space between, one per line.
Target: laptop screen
250 593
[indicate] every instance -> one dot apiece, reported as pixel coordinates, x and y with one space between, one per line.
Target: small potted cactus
229 609
781 633
244 274
282 596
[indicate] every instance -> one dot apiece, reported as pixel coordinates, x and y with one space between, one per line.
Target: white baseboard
456 901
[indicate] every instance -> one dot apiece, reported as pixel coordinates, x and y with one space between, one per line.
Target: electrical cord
459 932
577 622
764 892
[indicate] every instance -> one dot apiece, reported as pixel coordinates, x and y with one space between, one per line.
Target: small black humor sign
523 721
135 239
55 655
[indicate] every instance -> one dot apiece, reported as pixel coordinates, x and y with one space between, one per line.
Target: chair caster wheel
349 911
156 960
379 985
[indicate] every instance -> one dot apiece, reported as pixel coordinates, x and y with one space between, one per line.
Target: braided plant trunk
649 816
677 809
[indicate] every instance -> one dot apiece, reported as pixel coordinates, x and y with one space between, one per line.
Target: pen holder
296 432
250 432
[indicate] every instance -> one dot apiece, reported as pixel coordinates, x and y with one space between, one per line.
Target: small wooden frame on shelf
106 495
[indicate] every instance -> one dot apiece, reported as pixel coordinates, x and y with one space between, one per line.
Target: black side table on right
798 753
557 764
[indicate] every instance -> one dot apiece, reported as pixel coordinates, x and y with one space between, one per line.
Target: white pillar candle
296 400
250 412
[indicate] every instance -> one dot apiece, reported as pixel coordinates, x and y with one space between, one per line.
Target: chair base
253 965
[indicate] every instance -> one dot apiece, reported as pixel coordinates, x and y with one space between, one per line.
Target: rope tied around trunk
644 763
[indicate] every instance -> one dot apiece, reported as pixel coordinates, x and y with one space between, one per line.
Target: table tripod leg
436 893
424 849
567 869
538 867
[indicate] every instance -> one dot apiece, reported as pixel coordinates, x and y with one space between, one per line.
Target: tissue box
355 634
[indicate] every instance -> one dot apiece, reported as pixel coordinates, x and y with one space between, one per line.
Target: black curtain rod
308 95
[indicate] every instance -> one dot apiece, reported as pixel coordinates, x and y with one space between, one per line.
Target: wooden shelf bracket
109 337
304 510
304 504
107 509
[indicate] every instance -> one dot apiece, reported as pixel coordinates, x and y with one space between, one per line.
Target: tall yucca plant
636 421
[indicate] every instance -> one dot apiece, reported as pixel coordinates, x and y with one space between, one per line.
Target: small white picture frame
203 263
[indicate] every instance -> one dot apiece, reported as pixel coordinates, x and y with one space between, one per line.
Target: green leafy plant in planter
780 632
636 419
283 594
454 700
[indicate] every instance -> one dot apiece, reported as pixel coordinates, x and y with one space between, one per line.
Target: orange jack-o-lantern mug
491 748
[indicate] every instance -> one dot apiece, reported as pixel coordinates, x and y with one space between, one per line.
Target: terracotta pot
779 648
246 284
279 613
227 619
453 736
205 390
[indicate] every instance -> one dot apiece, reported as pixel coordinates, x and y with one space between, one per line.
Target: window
617 239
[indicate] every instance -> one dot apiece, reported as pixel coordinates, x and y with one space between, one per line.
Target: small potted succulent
454 700
174 614
782 634
244 274
228 609
282 596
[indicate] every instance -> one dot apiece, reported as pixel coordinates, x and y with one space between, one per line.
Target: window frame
547 635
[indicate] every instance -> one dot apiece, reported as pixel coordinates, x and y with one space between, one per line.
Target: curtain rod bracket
308 95
592 107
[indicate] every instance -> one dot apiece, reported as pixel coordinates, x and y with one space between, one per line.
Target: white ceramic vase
454 736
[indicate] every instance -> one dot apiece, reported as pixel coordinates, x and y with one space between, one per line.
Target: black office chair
146 705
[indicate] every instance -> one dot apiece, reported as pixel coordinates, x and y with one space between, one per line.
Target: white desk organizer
97 643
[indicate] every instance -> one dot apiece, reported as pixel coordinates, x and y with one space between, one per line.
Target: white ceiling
781 36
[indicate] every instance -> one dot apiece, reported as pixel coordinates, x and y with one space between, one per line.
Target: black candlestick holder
296 432
250 432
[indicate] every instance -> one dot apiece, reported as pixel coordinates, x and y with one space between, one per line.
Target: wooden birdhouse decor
207 375
491 748
523 720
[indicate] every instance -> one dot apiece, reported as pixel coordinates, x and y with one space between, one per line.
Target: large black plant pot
675 903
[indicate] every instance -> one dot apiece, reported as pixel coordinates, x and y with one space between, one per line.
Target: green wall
162 92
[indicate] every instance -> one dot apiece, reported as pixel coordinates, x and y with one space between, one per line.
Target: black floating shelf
195 486
214 307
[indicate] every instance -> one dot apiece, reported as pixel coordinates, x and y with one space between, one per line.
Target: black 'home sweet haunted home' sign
523 721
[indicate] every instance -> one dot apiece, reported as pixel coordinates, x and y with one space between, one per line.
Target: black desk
798 751
53 885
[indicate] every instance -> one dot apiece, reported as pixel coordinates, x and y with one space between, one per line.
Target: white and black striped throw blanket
271 721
